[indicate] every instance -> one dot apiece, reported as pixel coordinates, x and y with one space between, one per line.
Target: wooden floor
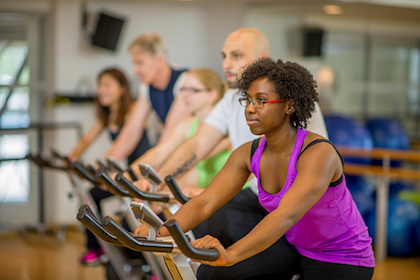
36 256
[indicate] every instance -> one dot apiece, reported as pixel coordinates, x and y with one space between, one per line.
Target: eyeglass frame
249 100
193 90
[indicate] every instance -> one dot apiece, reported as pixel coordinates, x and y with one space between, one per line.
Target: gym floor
34 256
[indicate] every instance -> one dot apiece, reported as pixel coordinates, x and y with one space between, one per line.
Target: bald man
238 216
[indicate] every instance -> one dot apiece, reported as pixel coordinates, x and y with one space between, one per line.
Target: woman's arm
310 185
132 130
225 185
86 140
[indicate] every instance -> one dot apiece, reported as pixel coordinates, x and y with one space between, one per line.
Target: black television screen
107 31
312 41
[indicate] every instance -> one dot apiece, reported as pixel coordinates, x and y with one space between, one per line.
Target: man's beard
232 84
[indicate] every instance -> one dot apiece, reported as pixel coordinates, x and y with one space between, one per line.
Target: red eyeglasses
258 102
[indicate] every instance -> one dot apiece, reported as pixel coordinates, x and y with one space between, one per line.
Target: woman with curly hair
300 179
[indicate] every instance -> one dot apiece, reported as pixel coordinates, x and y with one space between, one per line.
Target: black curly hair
291 81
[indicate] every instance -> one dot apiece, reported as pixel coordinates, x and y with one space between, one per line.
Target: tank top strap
291 168
256 157
300 138
321 141
193 127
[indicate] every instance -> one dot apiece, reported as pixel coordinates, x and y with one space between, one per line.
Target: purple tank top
333 229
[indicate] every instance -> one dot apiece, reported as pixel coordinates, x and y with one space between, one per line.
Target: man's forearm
191 151
186 166
182 160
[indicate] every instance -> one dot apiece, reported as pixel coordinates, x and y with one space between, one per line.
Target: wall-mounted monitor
312 41
107 31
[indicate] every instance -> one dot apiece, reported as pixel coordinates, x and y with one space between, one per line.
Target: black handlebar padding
58 155
86 208
38 161
133 175
176 191
113 187
135 192
139 245
113 164
41 162
88 219
102 164
91 169
82 172
185 247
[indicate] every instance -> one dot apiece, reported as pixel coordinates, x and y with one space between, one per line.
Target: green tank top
209 167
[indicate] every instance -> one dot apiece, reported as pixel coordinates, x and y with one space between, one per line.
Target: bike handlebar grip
133 175
136 244
102 164
176 191
82 172
57 154
111 185
91 170
35 159
41 162
88 219
135 192
185 246
113 164
148 172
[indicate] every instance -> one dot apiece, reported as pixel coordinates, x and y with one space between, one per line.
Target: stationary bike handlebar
150 174
140 244
88 219
56 154
176 191
38 160
136 193
42 162
185 246
113 164
113 187
147 217
80 170
136 244
151 220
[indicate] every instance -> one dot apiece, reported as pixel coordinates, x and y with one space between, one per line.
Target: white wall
282 23
194 33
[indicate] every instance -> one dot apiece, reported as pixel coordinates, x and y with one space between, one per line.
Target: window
14 113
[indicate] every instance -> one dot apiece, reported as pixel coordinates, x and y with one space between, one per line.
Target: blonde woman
201 90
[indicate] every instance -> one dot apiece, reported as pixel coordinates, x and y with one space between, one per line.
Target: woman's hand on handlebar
192 192
141 230
143 185
209 242
103 187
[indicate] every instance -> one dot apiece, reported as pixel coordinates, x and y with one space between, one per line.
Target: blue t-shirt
162 99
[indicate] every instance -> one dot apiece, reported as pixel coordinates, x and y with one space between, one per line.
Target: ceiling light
333 9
